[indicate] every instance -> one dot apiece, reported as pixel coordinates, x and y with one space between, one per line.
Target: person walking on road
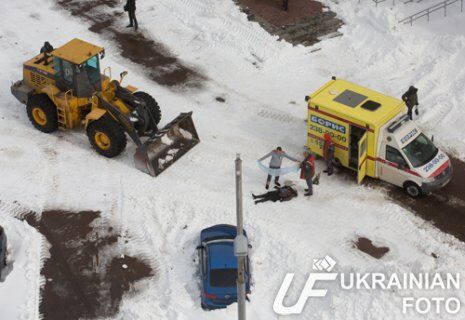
328 154
281 194
276 160
130 7
411 100
308 171
286 5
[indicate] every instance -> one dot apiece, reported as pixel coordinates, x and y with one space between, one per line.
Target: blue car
218 267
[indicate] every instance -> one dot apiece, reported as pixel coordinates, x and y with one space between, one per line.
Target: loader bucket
168 145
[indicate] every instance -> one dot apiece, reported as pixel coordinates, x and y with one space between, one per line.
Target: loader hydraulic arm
121 118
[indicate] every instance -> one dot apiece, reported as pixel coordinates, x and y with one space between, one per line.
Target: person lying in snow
281 194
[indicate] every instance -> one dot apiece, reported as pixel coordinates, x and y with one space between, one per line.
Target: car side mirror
432 138
199 247
250 246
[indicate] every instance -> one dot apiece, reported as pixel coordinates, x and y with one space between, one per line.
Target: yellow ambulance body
369 130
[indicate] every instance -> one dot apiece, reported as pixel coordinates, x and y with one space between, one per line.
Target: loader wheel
107 137
42 113
151 104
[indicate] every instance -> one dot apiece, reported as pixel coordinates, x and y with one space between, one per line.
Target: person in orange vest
328 154
307 171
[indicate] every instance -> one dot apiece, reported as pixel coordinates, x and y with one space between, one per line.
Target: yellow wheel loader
64 88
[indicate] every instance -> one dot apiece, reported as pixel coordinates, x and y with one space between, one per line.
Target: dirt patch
445 208
366 245
85 276
305 22
161 66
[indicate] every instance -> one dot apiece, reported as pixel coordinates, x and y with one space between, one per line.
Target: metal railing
428 11
393 1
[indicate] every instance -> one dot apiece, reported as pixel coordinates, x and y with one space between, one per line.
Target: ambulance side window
393 155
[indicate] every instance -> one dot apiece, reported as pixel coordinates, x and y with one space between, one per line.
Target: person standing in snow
411 100
281 194
286 5
328 154
275 163
308 171
130 7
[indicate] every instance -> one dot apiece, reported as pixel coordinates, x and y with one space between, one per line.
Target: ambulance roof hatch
350 98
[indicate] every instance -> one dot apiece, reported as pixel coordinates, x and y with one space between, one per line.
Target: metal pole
240 259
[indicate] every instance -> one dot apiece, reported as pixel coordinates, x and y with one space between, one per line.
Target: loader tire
107 137
42 113
151 104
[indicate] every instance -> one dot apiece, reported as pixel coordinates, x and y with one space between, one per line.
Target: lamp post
241 246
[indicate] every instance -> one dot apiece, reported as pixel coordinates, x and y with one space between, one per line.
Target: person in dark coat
411 100
130 7
308 171
328 154
281 194
286 5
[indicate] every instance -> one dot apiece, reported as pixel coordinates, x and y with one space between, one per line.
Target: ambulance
374 137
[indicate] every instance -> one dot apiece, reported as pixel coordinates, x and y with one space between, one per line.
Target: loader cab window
88 78
63 74
393 155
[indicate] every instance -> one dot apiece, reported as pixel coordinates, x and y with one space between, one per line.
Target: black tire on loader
106 136
42 113
151 104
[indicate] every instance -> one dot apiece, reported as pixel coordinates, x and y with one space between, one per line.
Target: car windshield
420 151
223 277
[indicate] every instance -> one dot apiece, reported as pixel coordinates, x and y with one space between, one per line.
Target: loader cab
77 68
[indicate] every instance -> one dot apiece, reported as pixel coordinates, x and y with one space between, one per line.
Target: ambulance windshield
420 151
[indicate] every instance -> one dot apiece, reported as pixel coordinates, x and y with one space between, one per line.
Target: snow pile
20 290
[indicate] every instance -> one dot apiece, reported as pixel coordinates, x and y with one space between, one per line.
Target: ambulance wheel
107 137
412 189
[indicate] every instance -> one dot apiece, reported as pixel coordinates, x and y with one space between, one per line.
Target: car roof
219 231
221 255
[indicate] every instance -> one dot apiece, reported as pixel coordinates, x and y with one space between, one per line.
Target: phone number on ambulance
320 130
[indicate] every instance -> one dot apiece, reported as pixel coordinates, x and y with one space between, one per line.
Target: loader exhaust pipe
168 145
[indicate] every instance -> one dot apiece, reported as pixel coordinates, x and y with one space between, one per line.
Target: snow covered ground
264 108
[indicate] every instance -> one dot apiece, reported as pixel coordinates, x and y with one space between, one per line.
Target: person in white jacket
276 160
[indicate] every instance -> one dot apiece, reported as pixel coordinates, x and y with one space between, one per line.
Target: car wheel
412 189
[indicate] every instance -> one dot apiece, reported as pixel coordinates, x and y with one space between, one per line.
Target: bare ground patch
306 21
85 276
366 245
161 66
